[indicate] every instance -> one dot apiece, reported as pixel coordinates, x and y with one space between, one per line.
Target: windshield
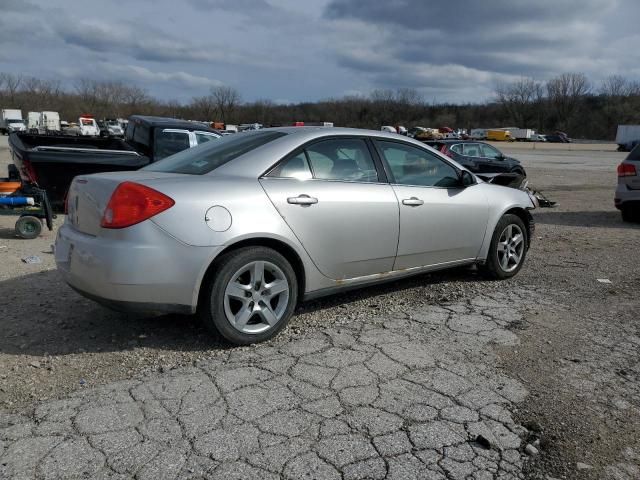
14 121
210 155
86 121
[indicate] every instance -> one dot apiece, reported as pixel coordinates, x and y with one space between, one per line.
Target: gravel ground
554 331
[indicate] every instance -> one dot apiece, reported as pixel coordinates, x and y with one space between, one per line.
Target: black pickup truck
51 162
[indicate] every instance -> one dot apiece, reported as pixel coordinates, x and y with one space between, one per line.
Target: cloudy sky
296 50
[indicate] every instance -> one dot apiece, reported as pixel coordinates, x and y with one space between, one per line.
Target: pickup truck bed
51 161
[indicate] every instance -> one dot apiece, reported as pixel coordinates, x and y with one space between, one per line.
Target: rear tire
629 214
250 297
28 227
508 248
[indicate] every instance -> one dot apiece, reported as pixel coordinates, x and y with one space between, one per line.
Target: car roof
453 140
168 122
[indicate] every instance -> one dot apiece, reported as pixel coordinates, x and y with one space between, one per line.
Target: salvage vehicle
478 157
51 162
627 197
627 137
499 136
11 121
239 230
88 126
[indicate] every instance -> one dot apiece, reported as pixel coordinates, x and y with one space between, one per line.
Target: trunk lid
89 195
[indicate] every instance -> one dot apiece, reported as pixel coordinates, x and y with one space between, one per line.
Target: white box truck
627 137
11 121
49 122
33 120
522 134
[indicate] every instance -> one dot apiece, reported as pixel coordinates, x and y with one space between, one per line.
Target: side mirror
466 179
501 157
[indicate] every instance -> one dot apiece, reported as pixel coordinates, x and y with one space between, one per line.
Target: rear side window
342 159
635 153
345 159
211 155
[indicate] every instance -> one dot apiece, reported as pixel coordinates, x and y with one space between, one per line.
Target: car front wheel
508 248
251 296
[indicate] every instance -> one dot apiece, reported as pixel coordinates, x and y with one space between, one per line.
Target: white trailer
478 134
522 134
627 136
33 120
11 121
49 122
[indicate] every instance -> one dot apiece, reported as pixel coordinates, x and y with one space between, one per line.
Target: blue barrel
17 201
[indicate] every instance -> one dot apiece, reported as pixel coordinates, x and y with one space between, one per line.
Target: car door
440 221
339 205
492 159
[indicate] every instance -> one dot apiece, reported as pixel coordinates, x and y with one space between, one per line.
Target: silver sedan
242 229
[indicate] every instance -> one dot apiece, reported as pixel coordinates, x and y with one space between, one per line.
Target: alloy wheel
256 297
510 247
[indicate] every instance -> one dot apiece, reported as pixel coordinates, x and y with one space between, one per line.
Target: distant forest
569 102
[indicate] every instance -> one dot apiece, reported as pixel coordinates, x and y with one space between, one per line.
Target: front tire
250 297
508 248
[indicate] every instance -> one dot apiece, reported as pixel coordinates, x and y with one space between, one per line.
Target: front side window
342 159
167 143
206 158
413 166
487 151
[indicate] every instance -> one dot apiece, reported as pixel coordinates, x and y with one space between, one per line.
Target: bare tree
227 99
11 86
521 100
565 93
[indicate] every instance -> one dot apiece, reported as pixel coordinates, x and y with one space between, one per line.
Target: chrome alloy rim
510 248
256 297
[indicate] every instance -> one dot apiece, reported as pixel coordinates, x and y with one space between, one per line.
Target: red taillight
133 203
626 170
29 172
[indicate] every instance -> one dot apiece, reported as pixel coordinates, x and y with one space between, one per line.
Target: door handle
413 202
302 200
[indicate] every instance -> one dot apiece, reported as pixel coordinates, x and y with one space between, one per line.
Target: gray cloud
287 49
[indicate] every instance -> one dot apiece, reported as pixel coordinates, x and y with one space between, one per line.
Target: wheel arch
287 251
526 218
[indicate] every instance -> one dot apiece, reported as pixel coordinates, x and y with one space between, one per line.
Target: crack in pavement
412 395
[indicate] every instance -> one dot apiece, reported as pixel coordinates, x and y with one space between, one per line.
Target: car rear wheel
508 248
251 296
629 214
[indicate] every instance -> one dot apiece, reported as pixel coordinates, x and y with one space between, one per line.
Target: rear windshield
635 153
210 155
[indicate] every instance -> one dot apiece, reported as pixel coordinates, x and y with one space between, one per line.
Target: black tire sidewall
212 308
28 235
492 266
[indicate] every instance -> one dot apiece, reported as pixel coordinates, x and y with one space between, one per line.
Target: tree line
569 102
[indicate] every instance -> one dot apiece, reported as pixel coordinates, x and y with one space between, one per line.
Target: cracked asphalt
397 397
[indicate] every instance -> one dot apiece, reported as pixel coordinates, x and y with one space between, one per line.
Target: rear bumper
155 273
625 195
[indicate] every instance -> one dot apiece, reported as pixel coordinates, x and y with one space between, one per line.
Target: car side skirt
378 278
